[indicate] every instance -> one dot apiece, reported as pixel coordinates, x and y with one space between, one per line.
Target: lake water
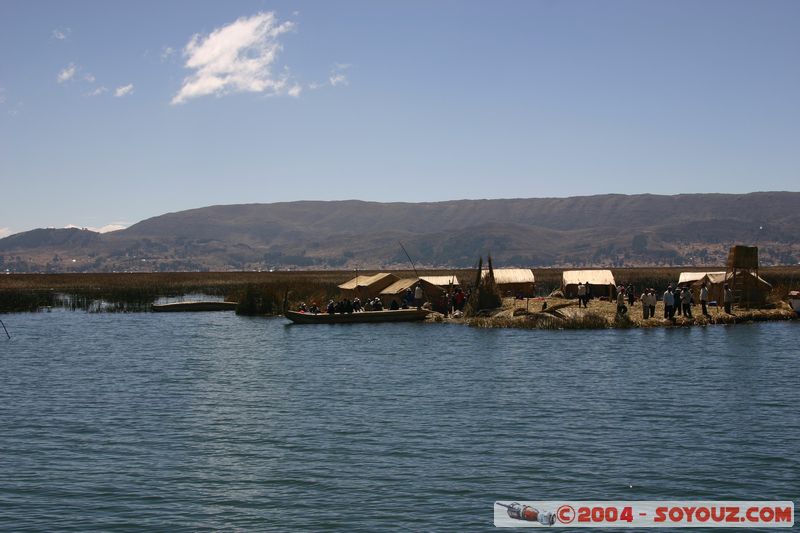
210 421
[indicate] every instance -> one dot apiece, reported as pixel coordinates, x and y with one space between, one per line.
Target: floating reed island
566 314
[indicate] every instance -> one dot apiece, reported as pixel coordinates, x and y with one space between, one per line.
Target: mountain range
587 231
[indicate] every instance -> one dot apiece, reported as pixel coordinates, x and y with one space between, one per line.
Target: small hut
517 282
367 286
748 288
751 288
715 282
398 289
599 282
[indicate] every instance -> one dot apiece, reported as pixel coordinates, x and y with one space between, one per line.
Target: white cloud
68 73
98 91
295 90
124 90
167 52
337 79
89 77
235 58
5 232
61 33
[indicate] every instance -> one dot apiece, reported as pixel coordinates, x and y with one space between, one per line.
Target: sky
114 112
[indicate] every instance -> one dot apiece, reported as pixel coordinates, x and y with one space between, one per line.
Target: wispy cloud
89 77
336 78
61 34
167 52
5 232
98 91
235 58
67 74
125 90
295 90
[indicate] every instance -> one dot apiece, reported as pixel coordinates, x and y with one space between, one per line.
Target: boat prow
399 315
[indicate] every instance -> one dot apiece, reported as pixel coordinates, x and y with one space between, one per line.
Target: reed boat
400 315
195 306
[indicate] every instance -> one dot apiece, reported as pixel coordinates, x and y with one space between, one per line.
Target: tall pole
409 259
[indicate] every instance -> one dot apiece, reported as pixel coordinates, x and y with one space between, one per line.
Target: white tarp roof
510 275
593 277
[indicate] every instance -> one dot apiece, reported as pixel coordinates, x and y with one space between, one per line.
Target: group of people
677 301
348 306
356 306
446 303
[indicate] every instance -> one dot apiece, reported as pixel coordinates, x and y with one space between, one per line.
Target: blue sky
112 112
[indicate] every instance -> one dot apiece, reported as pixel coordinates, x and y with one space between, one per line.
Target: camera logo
528 514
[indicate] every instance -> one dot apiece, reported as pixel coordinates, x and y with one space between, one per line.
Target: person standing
686 300
652 302
418 295
727 298
704 298
621 309
631 297
669 301
645 298
581 294
459 299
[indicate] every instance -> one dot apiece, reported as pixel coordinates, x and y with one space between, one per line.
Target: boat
194 306
399 315
794 301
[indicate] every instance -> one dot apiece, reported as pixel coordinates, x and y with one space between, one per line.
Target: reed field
264 292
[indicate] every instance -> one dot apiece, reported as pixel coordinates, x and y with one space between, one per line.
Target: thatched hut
513 281
445 282
600 283
398 289
749 288
367 286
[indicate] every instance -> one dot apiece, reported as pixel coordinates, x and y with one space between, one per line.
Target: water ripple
210 421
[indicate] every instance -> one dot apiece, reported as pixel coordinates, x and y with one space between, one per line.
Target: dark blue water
198 422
